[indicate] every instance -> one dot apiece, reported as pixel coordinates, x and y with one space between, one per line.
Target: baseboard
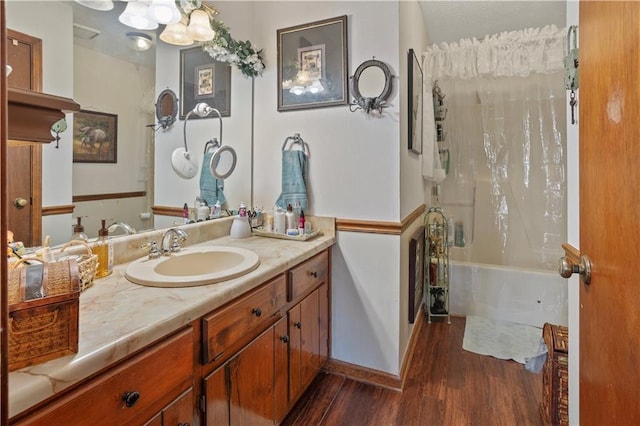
363 374
418 323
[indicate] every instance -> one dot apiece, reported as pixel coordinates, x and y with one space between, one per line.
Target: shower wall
504 157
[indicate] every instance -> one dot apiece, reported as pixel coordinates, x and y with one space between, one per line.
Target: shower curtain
504 147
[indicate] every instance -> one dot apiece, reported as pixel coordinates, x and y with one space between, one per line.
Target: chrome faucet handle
175 246
154 252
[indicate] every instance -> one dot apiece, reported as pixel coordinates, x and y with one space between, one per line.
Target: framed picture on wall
203 79
312 65
95 137
415 98
416 272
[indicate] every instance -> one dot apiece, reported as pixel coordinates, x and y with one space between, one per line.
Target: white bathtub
523 296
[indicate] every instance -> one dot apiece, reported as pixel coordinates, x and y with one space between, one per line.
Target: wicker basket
43 312
87 264
555 386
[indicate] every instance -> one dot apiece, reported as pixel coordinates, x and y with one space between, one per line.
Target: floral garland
242 54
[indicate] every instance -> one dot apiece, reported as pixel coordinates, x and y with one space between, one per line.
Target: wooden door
251 383
180 411
609 119
281 369
24 192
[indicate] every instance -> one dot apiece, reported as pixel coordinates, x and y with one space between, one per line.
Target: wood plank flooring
445 386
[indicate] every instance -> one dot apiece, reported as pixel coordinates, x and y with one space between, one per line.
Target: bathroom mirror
166 108
371 86
125 191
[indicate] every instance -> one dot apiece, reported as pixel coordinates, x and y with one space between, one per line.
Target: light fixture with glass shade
164 11
176 34
103 5
136 15
140 41
200 26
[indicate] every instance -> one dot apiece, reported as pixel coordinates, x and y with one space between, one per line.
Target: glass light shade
199 26
164 11
140 41
176 34
135 16
103 5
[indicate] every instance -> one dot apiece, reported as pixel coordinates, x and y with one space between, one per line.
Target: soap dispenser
104 250
78 231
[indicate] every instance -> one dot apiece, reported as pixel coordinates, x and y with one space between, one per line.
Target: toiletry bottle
296 212
215 210
290 219
185 213
78 231
279 221
104 250
459 234
203 211
301 223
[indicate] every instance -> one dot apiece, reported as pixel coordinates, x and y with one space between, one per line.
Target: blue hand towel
294 174
210 186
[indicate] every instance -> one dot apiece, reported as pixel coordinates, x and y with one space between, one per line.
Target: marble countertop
118 317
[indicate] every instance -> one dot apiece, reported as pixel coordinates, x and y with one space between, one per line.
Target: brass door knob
566 268
20 202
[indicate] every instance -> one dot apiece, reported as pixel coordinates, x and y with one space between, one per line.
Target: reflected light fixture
164 11
140 41
103 5
176 34
199 26
135 15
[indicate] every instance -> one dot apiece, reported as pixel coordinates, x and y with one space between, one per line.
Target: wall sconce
200 26
177 34
140 41
164 12
136 15
103 5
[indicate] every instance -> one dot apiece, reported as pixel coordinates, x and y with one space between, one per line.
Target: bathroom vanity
240 351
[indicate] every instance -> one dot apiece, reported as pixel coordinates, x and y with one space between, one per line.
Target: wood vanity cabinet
261 381
130 393
308 322
257 354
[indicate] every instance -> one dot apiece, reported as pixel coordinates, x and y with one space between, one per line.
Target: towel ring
296 140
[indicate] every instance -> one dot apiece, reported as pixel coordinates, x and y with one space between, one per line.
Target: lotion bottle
279 221
104 250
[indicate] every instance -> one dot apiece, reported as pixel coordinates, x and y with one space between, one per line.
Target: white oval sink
193 266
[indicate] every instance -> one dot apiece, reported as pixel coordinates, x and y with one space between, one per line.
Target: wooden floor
445 386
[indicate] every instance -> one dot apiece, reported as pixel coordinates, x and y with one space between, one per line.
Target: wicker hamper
43 312
555 383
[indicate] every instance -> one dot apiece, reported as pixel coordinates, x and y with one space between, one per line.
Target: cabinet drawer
157 375
308 275
225 327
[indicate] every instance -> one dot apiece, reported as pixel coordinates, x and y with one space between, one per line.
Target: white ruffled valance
514 53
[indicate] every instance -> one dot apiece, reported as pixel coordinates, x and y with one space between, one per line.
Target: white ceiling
453 19
448 20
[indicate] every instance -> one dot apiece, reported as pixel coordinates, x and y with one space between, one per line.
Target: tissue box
43 312
555 376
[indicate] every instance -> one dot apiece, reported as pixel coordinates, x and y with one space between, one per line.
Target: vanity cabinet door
251 388
305 343
179 412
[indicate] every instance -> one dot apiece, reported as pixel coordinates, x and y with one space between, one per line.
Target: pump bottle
104 250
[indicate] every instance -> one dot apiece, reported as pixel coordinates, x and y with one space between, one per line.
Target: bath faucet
128 230
178 235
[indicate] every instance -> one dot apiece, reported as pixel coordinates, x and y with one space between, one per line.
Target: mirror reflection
88 56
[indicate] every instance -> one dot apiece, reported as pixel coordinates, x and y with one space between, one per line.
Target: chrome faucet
178 235
126 228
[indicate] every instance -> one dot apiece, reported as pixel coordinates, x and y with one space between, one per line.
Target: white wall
412 186
354 172
52 23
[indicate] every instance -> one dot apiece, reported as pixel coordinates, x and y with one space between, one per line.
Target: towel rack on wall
296 140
